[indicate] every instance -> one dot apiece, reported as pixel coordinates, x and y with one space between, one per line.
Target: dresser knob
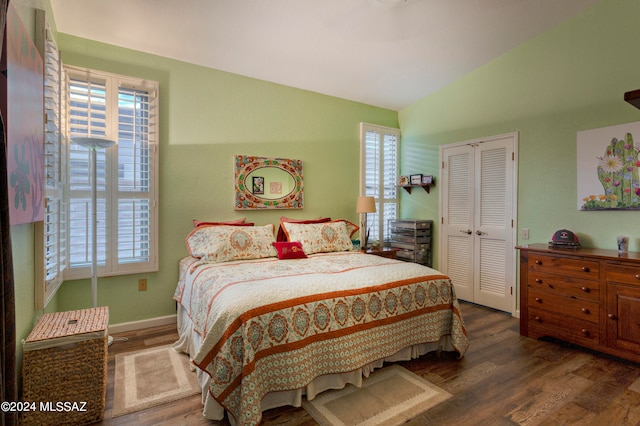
585 289
585 310
538 300
537 319
538 262
585 269
612 316
538 280
585 332
637 276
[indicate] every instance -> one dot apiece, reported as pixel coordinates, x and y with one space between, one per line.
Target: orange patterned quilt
271 325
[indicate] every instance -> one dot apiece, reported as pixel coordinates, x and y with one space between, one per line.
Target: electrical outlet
142 284
525 233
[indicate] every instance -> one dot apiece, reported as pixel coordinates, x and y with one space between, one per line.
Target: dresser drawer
543 323
576 267
565 285
621 273
586 310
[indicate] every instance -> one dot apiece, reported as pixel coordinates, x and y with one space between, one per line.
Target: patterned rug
151 377
390 396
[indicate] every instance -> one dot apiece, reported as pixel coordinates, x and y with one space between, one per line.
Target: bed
265 328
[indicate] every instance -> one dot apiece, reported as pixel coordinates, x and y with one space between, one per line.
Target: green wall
207 117
569 79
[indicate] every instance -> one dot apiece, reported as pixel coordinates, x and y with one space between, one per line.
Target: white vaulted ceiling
387 53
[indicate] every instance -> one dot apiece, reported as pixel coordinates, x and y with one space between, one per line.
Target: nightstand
388 252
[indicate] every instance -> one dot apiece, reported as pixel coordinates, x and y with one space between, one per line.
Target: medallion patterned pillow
223 243
320 237
282 235
352 228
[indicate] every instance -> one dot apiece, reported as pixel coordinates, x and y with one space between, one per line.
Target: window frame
109 192
385 192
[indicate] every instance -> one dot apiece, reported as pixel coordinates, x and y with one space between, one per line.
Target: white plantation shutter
125 110
379 147
51 233
136 147
87 117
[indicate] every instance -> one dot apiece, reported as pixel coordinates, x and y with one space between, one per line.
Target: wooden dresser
589 297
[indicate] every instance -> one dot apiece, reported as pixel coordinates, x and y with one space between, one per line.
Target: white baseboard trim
147 323
516 314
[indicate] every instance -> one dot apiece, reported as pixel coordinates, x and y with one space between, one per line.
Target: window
379 148
125 110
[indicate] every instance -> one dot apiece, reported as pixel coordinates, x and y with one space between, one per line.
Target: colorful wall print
608 163
23 110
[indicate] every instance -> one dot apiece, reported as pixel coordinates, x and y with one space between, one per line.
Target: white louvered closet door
458 240
477 220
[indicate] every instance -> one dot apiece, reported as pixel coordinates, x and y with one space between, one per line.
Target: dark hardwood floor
503 379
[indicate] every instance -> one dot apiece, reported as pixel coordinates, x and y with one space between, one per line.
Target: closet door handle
468 231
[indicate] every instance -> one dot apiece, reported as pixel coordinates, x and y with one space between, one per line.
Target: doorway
478 204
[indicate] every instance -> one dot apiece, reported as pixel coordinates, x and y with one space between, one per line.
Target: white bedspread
269 325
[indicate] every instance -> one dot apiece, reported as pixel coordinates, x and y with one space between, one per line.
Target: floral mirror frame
251 184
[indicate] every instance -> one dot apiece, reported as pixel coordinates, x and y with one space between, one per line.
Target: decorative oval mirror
268 183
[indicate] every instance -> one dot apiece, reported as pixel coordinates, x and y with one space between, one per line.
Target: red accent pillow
282 234
289 250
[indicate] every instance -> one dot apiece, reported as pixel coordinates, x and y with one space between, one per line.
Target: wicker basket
65 368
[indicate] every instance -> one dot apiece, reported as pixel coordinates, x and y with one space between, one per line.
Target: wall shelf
633 98
409 187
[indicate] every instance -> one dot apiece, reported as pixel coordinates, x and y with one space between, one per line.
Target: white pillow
320 237
215 243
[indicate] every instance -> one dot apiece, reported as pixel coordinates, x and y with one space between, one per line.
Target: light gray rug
389 397
151 377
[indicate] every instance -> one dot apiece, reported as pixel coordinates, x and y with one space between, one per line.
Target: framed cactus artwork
608 166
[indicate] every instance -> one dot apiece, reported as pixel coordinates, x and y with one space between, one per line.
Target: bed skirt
189 343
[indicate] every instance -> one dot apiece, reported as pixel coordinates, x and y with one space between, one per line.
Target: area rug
151 377
389 397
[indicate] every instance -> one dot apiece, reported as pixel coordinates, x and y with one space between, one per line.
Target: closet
477 226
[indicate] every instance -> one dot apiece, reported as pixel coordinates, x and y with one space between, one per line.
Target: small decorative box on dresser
589 297
64 368
412 238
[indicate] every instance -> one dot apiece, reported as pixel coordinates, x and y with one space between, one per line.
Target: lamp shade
366 205
94 143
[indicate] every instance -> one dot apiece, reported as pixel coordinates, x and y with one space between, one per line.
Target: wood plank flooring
503 379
